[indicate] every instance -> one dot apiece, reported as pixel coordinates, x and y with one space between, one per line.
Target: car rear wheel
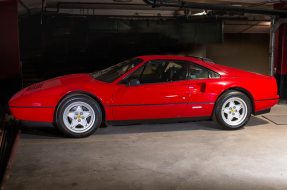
232 110
79 116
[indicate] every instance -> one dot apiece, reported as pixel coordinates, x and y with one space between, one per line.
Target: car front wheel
78 116
232 110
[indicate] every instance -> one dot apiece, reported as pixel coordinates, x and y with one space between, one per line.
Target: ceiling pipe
274 28
163 17
88 4
218 7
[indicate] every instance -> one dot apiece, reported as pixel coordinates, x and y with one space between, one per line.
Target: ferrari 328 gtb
147 89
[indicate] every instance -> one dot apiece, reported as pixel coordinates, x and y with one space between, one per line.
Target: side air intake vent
34 87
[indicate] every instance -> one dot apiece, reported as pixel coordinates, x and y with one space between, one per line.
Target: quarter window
196 72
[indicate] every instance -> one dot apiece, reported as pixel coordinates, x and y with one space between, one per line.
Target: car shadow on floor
169 127
34 130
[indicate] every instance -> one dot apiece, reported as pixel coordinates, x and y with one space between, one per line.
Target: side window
134 75
157 72
196 72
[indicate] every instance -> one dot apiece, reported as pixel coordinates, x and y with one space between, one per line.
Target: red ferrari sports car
147 89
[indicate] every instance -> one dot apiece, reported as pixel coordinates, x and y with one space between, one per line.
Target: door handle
184 82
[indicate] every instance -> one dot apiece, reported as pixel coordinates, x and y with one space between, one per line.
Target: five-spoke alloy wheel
78 116
232 110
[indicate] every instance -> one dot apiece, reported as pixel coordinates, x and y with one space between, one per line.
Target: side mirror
133 82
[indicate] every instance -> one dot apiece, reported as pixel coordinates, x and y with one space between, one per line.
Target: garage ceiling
137 8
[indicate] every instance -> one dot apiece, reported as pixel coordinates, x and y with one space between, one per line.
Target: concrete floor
193 155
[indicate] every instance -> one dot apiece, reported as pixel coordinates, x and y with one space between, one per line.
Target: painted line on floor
143 138
106 140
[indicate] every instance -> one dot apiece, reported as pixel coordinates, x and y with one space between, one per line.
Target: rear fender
242 90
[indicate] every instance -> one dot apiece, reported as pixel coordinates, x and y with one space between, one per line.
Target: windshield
112 73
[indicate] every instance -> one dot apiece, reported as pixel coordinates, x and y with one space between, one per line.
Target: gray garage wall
190 50
243 51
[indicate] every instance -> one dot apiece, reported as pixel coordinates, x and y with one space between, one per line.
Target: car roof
202 59
188 58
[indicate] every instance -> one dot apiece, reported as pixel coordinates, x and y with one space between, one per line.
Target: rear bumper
262 112
43 114
261 105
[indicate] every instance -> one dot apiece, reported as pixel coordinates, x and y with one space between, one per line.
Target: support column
280 60
10 74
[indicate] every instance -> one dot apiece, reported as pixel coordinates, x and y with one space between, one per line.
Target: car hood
55 82
49 93
61 81
237 72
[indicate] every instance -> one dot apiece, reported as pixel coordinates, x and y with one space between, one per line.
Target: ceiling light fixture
199 14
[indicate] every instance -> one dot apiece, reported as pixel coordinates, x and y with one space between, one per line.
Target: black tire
55 125
217 112
73 99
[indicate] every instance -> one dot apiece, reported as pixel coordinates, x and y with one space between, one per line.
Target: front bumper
44 114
